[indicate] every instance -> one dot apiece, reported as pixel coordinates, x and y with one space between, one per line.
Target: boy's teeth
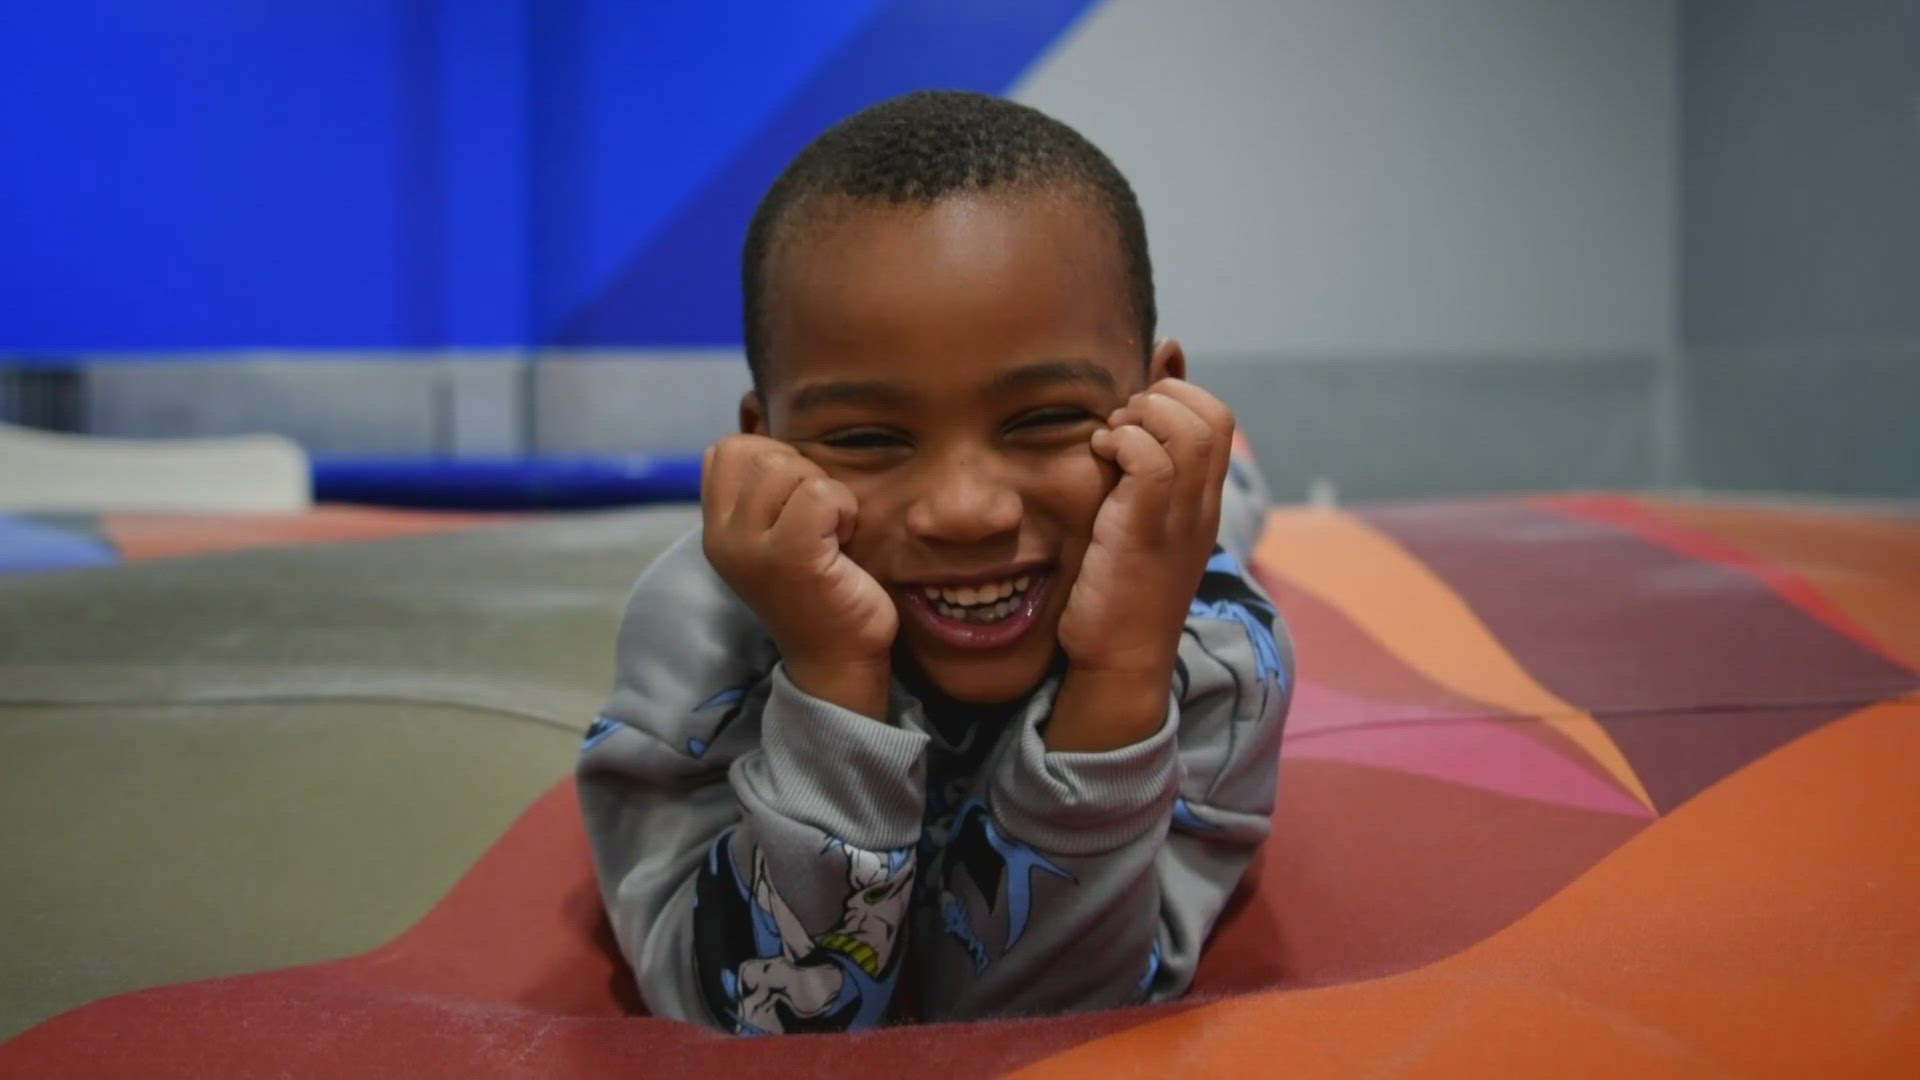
990 602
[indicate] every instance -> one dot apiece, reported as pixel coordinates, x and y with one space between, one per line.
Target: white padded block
48 472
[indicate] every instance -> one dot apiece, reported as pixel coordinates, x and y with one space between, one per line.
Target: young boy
953 708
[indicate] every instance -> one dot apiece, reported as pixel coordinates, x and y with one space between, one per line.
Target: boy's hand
774 526
1151 541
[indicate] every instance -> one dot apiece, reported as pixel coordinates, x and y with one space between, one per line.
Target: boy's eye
1044 420
868 439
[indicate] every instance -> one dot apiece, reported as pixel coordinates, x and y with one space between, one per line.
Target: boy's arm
1100 860
1092 879
754 844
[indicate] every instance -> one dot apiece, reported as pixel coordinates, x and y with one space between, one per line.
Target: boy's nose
965 503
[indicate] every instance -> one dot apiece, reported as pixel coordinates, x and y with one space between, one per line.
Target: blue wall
417 174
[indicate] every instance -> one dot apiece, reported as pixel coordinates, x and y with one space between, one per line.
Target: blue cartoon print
1187 819
600 731
762 972
731 703
734 701
976 850
1145 987
1225 594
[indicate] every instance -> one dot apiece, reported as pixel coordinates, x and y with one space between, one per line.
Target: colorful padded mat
31 542
1571 786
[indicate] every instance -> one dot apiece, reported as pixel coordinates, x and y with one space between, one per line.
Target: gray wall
349 403
1801 243
1423 247
1404 176
1387 425
1371 425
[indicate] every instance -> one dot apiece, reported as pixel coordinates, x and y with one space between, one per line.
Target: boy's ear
753 418
1169 361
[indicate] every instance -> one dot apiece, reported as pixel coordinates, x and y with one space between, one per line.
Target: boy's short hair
924 146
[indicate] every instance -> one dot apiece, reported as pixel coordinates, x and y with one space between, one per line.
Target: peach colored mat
155 536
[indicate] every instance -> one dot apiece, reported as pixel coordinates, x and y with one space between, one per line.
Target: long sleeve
1087 880
1044 876
755 846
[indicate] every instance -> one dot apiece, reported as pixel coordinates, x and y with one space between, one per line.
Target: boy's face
949 363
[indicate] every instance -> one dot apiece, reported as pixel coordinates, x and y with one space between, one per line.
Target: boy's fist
774 526
1153 534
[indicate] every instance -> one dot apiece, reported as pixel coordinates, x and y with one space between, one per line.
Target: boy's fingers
748 478
1215 412
720 477
845 504
1189 441
817 510
1146 462
775 476
727 467
1170 420
1217 416
708 498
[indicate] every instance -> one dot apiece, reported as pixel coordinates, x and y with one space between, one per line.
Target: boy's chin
986 680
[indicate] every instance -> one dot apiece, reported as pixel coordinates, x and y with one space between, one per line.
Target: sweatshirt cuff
1088 802
852 776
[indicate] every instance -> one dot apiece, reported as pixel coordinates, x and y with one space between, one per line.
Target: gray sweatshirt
772 862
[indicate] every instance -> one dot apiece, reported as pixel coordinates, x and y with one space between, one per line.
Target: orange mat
156 536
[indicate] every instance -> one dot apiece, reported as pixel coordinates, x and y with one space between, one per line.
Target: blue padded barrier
508 483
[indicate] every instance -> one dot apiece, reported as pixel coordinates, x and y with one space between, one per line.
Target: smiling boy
959 704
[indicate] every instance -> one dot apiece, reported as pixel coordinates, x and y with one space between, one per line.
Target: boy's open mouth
982 615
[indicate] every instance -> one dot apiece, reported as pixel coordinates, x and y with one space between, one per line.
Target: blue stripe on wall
636 107
483 212
421 167
414 174
202 173
682 287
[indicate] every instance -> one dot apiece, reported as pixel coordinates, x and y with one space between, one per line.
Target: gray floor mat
234 762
